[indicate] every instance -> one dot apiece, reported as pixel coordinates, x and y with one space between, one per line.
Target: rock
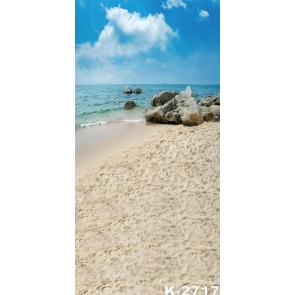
169 106
155 115
217 101
127 89
130 104
216 119
137 90
203 109
215 110
207 116
216 97
190 115
210 100
163 97
173 117
186 94
179 100
191 119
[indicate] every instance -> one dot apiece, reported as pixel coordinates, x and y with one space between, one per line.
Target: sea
104 104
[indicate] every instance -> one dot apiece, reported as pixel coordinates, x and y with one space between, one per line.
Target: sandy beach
147 209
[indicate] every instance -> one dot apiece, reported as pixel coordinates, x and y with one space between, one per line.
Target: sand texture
149 217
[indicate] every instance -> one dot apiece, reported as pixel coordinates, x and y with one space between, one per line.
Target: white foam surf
135 120
92 124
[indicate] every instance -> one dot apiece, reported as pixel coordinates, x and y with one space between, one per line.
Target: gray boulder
217 101
169 106
203 109
155 115
190 115
215 109
216 97
210 100
130 104
173 117
207 117
137 90
163 97
189 118
127 89
187 94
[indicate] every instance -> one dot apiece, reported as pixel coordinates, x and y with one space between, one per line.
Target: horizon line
147 84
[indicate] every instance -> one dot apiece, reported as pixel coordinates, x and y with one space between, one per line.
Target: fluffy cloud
203 14
173 3
126 34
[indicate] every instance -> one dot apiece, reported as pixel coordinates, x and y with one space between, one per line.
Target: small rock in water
130 104
137 90
127 89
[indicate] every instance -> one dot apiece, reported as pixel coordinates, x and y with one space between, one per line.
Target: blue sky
151 41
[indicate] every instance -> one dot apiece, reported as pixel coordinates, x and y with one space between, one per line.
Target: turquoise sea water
102 104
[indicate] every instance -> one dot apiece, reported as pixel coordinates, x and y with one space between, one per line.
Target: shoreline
97 143
105 103
147 212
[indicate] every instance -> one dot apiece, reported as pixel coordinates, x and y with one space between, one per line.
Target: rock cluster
173 108
130 104
127 89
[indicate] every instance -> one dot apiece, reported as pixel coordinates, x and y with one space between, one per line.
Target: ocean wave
135 120
94 113
92 124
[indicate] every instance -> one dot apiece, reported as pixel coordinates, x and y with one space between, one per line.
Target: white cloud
126 34
104 74
155 62
203 13
173 3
